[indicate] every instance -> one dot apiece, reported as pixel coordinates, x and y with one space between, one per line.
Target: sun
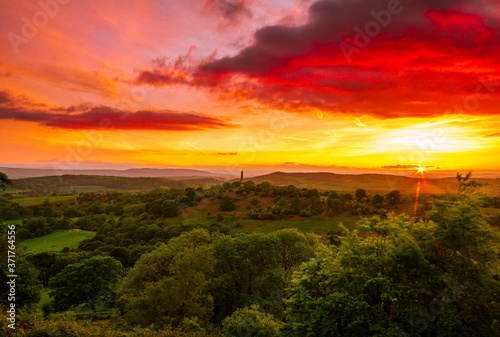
421 169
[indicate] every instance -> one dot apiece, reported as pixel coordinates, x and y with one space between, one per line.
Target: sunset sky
250 83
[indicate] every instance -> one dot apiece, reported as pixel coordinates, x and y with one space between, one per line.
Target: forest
203 261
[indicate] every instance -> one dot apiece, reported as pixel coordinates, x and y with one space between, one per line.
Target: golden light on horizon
421 169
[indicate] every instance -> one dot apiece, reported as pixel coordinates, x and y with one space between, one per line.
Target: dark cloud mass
103 117
362 57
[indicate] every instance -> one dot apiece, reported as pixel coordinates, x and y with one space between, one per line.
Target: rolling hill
92 183
18 173
373 183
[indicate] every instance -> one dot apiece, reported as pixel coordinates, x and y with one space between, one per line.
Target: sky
379 84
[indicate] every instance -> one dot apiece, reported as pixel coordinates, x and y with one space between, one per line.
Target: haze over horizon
337 85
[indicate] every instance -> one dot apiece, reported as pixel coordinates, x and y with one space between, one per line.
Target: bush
23 234
227 204
305 213
250 322
47 309
170 209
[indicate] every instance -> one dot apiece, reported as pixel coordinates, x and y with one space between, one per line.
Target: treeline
159 205
43 186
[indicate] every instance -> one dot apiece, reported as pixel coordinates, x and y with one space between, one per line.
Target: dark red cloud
86 116
352 57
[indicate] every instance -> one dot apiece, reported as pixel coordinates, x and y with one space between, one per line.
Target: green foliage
227 204
249 321
378 201
335 204
4 181
170 208
395 275
360 194
37 226
354 290
27 291
171 281
292 248
467 186
89 282
255 268
34 325
394 198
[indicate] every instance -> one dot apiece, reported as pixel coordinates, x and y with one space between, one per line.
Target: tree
4 181
227 204
466 185
118 210
360 194
88 282
170 208
70 212
47 210
250 321
171 281
248 270
378 201
362 287
335 204
394 198
254 202
292 248
249 185
334 195
37 226
27 290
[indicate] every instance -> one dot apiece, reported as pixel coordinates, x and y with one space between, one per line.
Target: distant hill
17 173
92 183
373 183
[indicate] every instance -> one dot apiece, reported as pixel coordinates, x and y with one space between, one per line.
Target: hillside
18 173
91 183
373 183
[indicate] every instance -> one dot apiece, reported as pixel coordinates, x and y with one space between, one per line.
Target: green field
80 189
39 200
12 222
56 241
319 224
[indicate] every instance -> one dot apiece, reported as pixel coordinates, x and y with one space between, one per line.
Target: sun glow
421 169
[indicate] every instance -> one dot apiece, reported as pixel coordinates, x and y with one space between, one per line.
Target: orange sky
365 84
